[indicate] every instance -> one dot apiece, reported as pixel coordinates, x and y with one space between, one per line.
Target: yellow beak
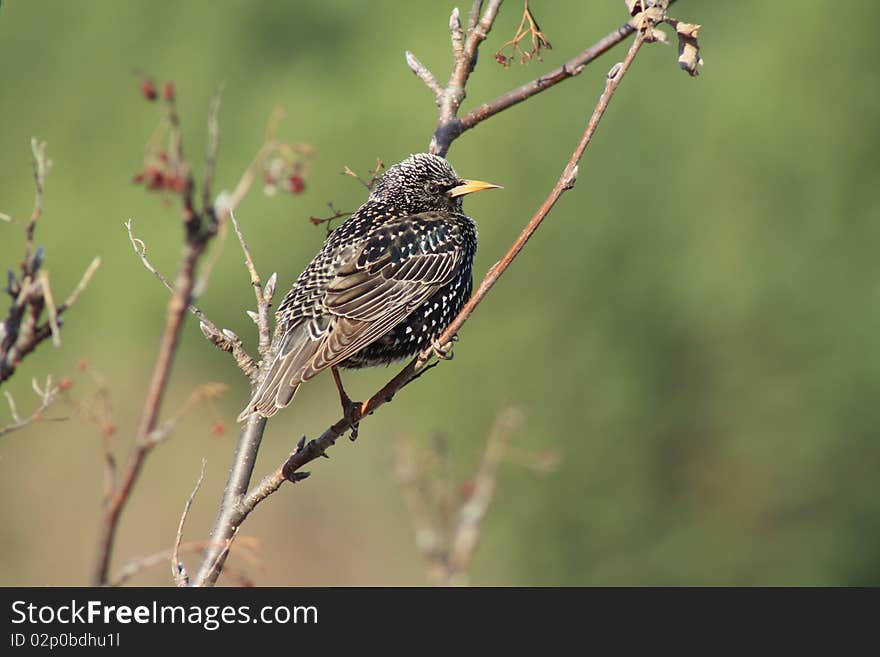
471 186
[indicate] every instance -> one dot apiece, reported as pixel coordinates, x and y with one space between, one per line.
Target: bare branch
424 75
368 184
456 34
21 331
474 15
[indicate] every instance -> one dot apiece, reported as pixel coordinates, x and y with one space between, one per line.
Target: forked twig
22 330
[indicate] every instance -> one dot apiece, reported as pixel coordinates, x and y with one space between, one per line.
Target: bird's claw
351 412
443 351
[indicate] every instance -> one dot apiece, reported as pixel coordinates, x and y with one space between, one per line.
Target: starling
384 286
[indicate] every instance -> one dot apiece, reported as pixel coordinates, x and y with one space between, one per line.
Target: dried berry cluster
164 169
286 169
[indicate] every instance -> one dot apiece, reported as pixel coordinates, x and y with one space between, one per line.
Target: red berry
297 184
82 365
155 178
65 383
218 429
148 89
138 178
175 183
168 91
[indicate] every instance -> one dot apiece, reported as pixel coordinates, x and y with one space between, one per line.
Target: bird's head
424 182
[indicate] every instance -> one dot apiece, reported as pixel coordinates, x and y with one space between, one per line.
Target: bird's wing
399 266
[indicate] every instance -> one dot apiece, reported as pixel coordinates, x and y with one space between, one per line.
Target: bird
383 287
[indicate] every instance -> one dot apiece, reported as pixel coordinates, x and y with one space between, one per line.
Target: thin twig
51 310
245 545
46 396
528 27
140 564
110 466
82 285
224 340
424 75
456 35
212 148
178 571
569 69
368 184
265 335
41 169
211 260
215 566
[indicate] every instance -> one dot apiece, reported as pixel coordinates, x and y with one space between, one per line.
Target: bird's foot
443 351
350 409
351 413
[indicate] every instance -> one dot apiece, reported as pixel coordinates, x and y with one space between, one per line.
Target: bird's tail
285 375
269 397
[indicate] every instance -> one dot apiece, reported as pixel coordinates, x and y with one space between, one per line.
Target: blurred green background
694 328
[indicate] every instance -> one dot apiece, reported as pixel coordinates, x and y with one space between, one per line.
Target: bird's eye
432 188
